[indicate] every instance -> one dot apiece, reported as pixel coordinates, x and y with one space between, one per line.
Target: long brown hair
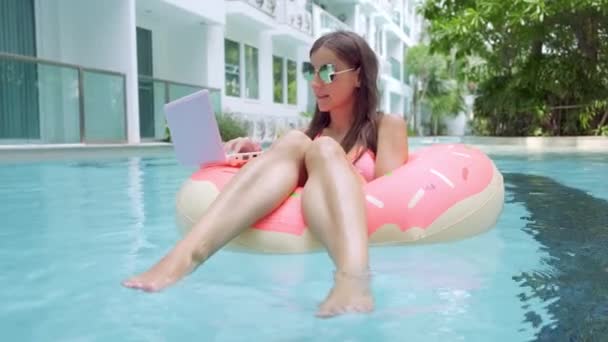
354 51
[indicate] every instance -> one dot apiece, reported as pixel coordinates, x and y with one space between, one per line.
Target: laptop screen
194 130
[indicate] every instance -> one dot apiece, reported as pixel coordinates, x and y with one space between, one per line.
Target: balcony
185 12
295 16
395 67
385 12
396 17
266 6
406 28
385 5
252 15
326 22
48 102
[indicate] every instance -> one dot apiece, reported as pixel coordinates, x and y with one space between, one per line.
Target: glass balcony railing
395 68
154 93
296 15
406 74
396 16
46 102
104 107
329 22
266 6
406 28
383 4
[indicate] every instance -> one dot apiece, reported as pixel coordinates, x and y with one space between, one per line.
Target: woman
346 144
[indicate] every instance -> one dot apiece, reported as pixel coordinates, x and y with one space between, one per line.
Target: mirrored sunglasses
327 72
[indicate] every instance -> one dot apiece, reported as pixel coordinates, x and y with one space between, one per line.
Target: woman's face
340 91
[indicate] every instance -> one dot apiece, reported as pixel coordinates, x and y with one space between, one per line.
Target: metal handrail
151 78
30 59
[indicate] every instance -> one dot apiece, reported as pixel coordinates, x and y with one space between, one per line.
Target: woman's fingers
241 145
232 145
228 146
238 147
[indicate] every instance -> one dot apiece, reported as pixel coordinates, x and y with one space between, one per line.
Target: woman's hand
242 145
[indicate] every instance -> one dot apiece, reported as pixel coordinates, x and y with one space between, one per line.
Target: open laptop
195 133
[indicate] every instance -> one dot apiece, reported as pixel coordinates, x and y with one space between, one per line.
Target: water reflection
136 210
573 228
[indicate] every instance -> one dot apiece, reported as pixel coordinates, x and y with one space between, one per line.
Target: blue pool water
71 231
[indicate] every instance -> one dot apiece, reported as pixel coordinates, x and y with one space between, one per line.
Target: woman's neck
341 119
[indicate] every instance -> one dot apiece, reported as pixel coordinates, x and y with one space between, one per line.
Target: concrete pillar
214 41
132 86
371 32
265 68
303 86
384 44
356 20
386 101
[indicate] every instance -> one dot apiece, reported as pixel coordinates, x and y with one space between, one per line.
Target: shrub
230 128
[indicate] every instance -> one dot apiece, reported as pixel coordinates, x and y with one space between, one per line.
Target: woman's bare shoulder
391 122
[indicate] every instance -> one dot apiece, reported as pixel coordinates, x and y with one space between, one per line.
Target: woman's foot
350 294
171 268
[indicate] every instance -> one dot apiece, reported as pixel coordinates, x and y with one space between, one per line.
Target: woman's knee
294 142
324 149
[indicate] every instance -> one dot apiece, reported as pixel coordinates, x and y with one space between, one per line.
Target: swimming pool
71 231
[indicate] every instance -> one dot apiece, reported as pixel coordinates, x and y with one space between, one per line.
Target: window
232 68
277 79
251 72
237 57
284 83
292 83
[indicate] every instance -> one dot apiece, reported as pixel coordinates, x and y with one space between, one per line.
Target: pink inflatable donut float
444 192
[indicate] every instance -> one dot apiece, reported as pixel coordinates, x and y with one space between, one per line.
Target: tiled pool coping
16 153
492 145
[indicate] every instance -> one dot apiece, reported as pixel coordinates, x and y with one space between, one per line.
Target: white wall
179 52
306 99
93 34
85 32
213 10
214 40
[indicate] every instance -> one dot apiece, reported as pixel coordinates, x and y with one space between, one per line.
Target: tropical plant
435 88
230 127
541 66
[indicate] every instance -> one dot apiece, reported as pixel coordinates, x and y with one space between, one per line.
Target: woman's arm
392 149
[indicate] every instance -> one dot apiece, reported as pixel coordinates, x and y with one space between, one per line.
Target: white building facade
88 71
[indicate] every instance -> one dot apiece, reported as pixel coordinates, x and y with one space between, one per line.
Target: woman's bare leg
258 188
333 204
